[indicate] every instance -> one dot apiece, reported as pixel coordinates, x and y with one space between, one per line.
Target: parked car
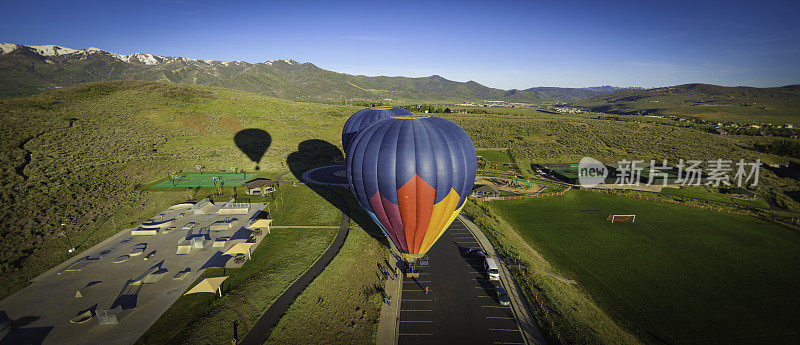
502 296
476 253
491 269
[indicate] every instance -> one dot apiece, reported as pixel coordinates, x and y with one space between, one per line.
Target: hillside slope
26 70
78 155
710 102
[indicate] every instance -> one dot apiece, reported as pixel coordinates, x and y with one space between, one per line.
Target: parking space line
485 296
500 317
414 321
411 334
418 281
495 306
502 343
503 329
416 310
416 300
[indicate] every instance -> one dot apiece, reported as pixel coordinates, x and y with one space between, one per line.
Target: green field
501 156
341 305
679 274
301 205
203 180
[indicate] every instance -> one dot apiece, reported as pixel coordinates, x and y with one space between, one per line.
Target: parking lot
134 277
461 306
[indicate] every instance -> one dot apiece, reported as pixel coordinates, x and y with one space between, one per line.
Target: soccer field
204 180
678 274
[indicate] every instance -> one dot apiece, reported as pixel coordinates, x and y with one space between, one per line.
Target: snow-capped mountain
29 69
141 58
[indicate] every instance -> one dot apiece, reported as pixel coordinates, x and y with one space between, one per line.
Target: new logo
591 172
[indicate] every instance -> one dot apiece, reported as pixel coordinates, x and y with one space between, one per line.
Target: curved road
260 330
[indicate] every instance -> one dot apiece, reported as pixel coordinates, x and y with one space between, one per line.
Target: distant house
260 186
485 191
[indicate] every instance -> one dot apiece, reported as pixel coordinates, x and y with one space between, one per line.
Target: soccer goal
622 218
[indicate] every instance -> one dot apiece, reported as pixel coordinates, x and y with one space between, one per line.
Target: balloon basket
412 258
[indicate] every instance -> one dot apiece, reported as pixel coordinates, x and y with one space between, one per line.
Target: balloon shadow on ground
316 153
253 142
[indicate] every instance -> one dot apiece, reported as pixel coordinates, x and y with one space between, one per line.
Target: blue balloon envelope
365 117
412 175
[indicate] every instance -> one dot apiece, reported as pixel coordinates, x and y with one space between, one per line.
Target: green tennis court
203 180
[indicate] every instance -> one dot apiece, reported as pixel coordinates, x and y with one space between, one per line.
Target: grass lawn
208 319
678 273
341 306
496 155
301 205
712 193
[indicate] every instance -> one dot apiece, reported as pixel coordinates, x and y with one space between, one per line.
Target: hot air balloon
366 117
412 175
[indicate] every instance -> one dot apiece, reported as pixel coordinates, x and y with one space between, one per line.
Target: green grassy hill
79 156
709 102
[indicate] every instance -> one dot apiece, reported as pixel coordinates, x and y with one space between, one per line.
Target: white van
491 269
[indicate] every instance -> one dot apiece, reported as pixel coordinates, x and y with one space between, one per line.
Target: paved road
260 331
461 307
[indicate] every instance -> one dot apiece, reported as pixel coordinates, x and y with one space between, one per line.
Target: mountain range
27 69
711 102
573 94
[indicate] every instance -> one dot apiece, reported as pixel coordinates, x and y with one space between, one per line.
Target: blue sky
503 44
